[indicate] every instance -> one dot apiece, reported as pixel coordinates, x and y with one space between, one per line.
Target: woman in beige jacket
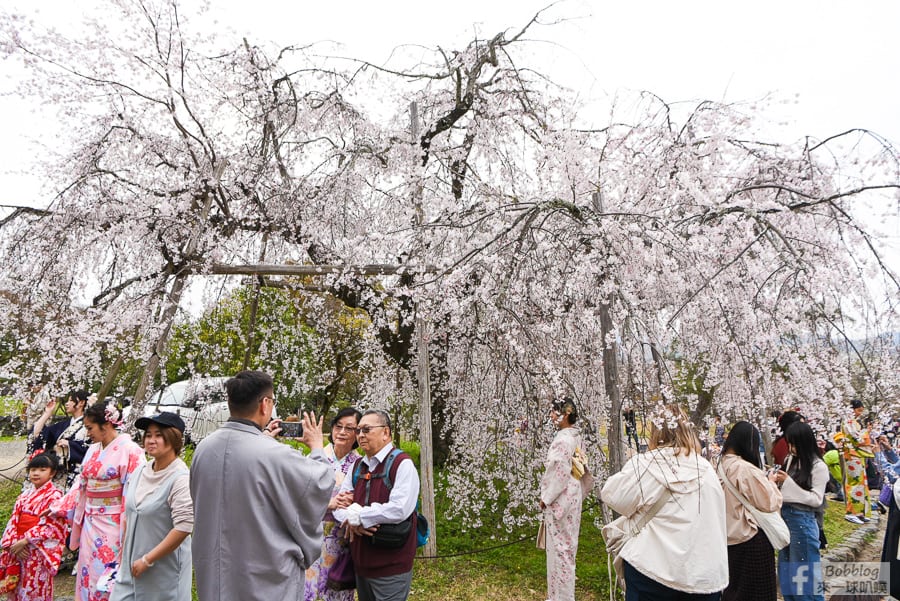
751 558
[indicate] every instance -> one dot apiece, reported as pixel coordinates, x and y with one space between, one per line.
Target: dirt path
12 459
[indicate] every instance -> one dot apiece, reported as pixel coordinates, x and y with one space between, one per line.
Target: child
33 545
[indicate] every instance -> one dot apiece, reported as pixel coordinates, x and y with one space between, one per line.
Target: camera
291 429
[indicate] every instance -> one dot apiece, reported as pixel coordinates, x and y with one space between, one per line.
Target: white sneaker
853 519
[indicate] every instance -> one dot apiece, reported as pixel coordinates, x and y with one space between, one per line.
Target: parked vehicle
186 398
210 416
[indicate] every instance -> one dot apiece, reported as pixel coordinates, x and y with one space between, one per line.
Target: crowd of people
250 519
253 518
703 519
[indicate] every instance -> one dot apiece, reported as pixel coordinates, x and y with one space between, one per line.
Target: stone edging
853 545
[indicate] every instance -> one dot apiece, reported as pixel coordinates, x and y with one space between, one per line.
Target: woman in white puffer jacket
681 553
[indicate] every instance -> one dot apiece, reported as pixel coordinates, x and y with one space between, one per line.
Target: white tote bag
771 522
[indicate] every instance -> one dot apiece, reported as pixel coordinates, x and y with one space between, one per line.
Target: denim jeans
641 588
799 565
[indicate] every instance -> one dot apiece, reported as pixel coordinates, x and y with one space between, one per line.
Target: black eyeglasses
271 398
367 429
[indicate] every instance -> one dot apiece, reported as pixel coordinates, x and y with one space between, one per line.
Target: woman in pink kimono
94 504
561 496
32 542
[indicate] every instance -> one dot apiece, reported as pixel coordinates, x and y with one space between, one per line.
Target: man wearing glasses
383 565
258 504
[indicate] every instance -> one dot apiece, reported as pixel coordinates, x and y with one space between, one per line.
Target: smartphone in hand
291 429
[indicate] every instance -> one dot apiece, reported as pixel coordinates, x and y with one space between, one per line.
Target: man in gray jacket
258 504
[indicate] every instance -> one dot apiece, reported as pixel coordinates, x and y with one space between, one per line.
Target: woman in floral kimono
857 447
561 496
94 505
342 455
33 543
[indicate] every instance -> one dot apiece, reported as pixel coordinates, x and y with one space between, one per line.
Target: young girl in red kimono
33 545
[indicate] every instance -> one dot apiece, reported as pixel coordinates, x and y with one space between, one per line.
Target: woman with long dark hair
751 558
67 437
780 446
802 489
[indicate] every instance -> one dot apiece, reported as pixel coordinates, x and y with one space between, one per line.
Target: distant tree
317 359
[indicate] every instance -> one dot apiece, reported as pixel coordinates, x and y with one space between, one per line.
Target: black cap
165 418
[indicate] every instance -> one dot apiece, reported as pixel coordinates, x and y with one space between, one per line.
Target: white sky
835 64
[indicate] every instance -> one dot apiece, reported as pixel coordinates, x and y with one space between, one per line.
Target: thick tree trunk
110 378
254 309
159 350
704 405
170 307
441 431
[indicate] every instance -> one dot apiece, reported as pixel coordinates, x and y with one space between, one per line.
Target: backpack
423 531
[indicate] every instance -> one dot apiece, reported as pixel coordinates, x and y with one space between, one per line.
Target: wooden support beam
316 270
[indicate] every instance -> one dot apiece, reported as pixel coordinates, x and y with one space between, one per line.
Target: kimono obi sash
27 521
103 496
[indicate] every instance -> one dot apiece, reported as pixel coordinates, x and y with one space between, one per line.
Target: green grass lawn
513 572
836 527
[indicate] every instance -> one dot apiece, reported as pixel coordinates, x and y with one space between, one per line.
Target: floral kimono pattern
333 543
562 494
95 507
857 447
47 538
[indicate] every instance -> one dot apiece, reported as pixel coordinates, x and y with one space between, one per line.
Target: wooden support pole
426 446
611 382
423 375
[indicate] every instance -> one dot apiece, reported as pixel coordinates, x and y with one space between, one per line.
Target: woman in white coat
681 552
561 496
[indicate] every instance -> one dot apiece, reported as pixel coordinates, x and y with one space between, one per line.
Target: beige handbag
541 542
615 536
771 522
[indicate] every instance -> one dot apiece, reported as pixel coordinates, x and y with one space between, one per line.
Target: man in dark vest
381 501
